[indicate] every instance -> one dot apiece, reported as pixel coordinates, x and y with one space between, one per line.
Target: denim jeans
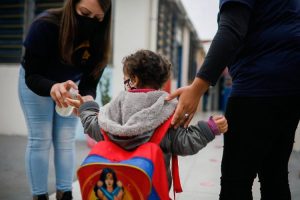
46 127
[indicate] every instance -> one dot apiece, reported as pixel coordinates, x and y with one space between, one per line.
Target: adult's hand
76 103
189 97
59 92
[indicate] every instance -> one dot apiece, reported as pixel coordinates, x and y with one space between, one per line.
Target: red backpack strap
104 134
158 135
161 131
175 175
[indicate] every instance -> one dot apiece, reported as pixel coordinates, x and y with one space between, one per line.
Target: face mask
86 26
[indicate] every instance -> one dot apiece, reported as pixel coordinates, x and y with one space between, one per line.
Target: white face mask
128 85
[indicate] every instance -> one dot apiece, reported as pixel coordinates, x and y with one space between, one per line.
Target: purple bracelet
213 126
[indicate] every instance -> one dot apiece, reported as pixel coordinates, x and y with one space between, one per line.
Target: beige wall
134 28
185 55
12 121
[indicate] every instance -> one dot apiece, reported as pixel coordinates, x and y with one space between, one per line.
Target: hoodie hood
135 113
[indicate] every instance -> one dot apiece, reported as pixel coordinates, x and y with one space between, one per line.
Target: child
131 118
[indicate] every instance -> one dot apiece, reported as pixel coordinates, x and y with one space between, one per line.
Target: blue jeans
46 127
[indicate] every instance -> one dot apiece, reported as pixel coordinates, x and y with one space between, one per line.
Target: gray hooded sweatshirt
136 115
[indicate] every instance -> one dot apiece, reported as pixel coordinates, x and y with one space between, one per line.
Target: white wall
12 121
185 56
134 28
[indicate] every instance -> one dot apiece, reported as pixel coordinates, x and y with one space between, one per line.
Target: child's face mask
128 85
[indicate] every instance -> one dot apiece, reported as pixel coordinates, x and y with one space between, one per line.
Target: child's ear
135 81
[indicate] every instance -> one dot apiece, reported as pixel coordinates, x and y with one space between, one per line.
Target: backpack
112 173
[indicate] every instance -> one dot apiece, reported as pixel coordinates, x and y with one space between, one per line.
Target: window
11 30
41 5
13 22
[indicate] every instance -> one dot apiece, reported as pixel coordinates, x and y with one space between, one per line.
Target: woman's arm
33 78
88 84
40 46
233 25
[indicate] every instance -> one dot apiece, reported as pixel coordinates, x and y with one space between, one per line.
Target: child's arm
189 141
88 113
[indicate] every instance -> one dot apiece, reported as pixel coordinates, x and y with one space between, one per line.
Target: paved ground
200 174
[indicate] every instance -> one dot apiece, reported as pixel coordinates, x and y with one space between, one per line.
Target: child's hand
76 103
221 122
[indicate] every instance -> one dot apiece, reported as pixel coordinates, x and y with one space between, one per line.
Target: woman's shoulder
45 21
42 31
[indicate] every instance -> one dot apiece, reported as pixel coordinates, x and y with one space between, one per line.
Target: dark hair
151 68
100 44
104 172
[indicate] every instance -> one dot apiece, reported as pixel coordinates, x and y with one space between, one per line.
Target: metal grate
13 24
11 30
41 5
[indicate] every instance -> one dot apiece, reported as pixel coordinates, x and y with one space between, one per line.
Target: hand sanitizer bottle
67 111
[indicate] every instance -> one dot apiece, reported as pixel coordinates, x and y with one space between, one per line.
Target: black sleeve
39 48
36 82
88 84
232 29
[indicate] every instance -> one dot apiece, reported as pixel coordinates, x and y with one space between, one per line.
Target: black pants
259 142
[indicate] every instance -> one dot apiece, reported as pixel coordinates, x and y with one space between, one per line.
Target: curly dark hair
152 69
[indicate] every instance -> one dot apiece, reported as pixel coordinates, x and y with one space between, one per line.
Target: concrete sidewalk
200 174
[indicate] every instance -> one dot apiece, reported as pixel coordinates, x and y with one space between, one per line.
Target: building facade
157 25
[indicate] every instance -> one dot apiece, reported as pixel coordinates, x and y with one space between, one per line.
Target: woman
64 48
109 187
260 43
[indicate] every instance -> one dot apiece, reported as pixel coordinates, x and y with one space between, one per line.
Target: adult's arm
88 84
36 82
233 25
39 45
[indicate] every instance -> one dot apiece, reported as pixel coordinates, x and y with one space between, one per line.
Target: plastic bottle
67 111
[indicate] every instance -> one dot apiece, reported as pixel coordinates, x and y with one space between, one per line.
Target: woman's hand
59 92
221 123
76 103
189 98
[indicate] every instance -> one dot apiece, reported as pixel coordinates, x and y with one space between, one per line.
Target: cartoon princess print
108 187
